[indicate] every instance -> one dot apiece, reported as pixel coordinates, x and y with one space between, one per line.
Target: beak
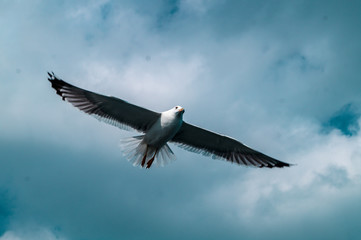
181 110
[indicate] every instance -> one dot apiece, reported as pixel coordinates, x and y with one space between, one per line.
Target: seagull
159 129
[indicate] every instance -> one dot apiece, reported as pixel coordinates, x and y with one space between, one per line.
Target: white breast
163 129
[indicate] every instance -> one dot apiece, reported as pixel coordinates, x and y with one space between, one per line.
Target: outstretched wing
108 109
199 140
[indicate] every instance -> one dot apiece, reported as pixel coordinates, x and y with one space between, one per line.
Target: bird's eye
176 107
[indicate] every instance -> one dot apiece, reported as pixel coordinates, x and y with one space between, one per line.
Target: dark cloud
106 10
345 120
72 192
5 210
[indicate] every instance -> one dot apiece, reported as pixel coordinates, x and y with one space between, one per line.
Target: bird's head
174 113
178 110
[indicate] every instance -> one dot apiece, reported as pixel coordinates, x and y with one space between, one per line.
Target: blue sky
281 76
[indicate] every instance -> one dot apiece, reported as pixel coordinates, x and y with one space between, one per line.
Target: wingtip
284 164
51 76
291 164
56 83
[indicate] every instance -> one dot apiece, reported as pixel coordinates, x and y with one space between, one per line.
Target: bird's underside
152 147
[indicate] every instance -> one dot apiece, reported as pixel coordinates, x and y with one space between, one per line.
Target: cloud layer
283 77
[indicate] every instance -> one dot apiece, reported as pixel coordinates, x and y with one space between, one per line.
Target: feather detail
134 150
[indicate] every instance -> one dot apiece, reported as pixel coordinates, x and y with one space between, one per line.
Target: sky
280 76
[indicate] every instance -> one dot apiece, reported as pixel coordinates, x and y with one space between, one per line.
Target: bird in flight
159 129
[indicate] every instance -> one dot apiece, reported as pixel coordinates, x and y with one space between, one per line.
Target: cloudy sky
281 76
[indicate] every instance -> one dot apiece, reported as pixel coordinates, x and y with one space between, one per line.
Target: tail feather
165 156
134 149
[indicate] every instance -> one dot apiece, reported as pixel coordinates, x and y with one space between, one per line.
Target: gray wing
109 109
199 140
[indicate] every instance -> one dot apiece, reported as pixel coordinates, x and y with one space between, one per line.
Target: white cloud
9 236
327 174
30 234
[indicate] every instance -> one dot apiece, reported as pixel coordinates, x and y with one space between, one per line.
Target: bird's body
156 138
159 129
165 128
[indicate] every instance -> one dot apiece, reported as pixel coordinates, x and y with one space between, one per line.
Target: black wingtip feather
57 84
282 165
